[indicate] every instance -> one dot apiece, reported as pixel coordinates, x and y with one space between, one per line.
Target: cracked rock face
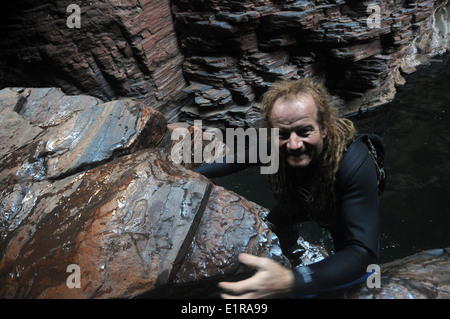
132 225
62 139
94 192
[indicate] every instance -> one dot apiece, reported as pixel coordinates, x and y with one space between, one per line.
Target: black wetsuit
355 231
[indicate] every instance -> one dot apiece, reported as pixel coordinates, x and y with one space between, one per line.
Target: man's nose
294 142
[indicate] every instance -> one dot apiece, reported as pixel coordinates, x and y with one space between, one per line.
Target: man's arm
358 246
360 219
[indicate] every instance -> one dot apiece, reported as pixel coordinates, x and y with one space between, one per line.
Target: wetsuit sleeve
358 245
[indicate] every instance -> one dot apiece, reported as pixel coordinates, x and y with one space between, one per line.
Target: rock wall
235 49
231 51
124 48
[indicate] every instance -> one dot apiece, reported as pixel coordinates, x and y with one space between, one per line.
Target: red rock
331 30
98 134
89 133
420 276
230 224
121 49
128 225
358 51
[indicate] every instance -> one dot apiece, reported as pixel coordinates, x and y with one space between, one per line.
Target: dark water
415 127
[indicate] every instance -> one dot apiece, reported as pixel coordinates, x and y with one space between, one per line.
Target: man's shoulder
364 147
354 157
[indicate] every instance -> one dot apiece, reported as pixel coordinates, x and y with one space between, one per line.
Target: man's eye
283 136
303 133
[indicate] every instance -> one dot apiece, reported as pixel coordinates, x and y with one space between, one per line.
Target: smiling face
301 137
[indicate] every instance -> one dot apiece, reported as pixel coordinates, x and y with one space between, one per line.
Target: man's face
301 138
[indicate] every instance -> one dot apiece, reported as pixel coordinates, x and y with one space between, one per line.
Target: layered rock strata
230 52
123 48
358 48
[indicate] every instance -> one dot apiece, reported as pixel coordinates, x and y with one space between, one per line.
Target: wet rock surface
122 49
128 225
61 140
424 275
133 223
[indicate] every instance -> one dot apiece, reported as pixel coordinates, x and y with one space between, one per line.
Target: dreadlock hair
340 133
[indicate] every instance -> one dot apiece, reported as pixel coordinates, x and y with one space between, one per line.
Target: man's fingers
249 284
249 295
261 284
239 287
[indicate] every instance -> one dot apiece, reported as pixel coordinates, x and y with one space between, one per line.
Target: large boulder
86 187
48 135
132 225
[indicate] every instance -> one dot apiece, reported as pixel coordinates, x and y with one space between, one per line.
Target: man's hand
270 279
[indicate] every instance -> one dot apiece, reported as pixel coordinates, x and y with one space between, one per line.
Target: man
312 184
